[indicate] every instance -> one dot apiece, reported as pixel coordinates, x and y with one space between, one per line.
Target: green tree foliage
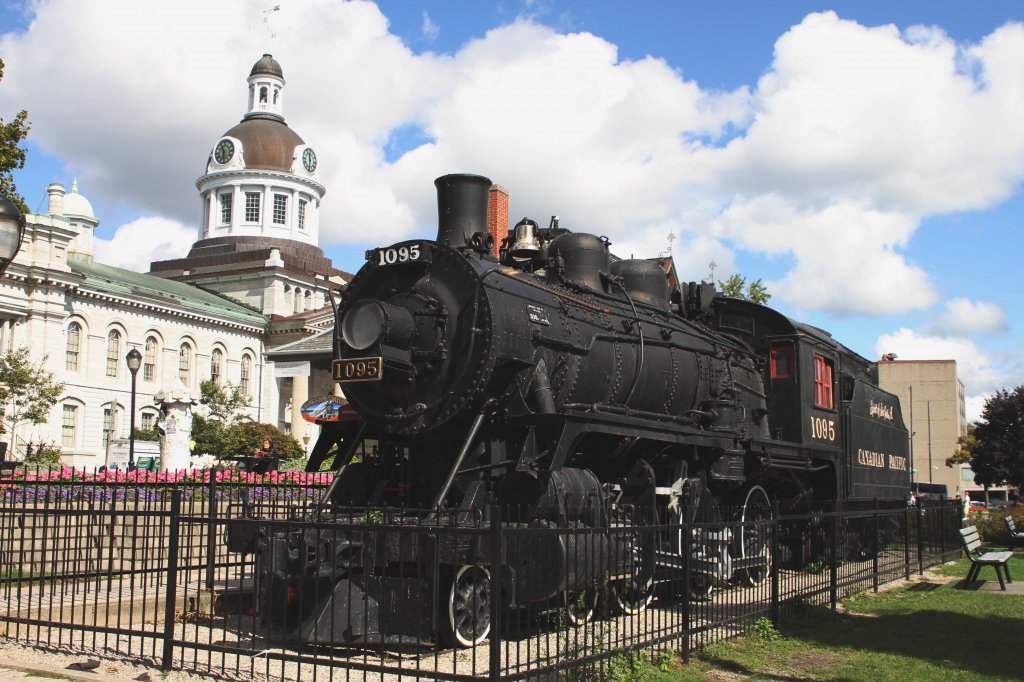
240 439
998 455
736 286
224 403
966 444
27 391
12 155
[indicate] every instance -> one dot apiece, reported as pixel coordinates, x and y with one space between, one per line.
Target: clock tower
259 221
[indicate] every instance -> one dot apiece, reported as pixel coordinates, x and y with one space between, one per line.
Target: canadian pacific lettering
881 460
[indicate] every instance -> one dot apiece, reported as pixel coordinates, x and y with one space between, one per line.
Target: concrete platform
1016 587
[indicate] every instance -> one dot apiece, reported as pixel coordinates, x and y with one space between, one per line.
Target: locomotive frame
569 389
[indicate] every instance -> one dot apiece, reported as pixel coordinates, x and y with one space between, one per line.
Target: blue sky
865 159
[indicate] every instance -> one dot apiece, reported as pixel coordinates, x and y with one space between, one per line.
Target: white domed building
254 280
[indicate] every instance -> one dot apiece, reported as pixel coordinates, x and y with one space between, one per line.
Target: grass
924 631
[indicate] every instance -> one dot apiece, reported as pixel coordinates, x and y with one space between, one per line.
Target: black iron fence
240 580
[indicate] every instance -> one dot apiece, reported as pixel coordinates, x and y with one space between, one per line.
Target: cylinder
461 207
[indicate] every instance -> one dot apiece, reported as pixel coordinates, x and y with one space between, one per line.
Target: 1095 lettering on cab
407 252
359 369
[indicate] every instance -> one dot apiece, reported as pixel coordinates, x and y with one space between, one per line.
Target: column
300 394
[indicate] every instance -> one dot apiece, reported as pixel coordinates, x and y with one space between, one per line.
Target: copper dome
267 65
267 143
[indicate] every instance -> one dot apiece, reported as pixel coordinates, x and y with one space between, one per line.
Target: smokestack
497 215
55 205
461 207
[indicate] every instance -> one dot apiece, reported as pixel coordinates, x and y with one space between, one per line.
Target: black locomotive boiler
570 389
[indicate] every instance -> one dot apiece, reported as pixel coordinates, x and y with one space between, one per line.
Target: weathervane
711 270
266 20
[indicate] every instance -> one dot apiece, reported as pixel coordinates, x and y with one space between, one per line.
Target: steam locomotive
564 386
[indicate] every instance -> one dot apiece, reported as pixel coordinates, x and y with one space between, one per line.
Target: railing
144 571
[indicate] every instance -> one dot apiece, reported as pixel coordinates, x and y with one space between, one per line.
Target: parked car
978 506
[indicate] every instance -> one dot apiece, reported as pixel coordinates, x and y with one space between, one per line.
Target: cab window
823 383
782 361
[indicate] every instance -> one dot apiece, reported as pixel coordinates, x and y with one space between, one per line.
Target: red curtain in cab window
822 382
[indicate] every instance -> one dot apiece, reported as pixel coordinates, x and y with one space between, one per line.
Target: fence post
170 594
686 535
494 643
833 572
211 529
875 549
942 531
906 542
773 570
918 515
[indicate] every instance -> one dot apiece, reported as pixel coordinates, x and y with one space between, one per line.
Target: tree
27 391
966 444
224 403
998 455
12 156
736 287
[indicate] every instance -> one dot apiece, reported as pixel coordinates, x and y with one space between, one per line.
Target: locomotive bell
526 244
461 207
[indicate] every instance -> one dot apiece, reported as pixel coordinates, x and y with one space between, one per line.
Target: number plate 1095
358 369
399 254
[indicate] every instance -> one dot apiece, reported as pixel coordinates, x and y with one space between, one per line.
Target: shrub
43 456
992 527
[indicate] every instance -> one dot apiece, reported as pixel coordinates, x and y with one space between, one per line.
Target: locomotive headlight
370 321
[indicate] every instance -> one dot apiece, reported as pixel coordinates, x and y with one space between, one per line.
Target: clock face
309 160
224 151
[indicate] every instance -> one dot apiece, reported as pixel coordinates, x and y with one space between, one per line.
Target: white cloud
981 371
961 316
138 243
852 137
429 29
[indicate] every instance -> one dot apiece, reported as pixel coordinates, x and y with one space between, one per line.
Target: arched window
246 381
74 346
69 425
297 303
307 303
185 364
147 420
216 363
149 359
263 95
113 352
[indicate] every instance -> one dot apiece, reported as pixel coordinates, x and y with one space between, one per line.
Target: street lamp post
12 232
134 360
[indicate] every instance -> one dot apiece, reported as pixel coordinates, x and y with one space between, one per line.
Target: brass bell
525 245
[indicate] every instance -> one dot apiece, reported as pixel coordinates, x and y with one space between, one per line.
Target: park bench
997 560
1016 536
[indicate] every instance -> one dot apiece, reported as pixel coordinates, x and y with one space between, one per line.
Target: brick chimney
497 215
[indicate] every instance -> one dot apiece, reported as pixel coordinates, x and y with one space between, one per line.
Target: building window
297 301
74 345
782 361
68 425
149 360
216 362
147 421
245 382
185 363
225 208
113 352
280 209
302 214
823 383
108 426
252 207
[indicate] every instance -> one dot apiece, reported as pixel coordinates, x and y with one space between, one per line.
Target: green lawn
926 631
